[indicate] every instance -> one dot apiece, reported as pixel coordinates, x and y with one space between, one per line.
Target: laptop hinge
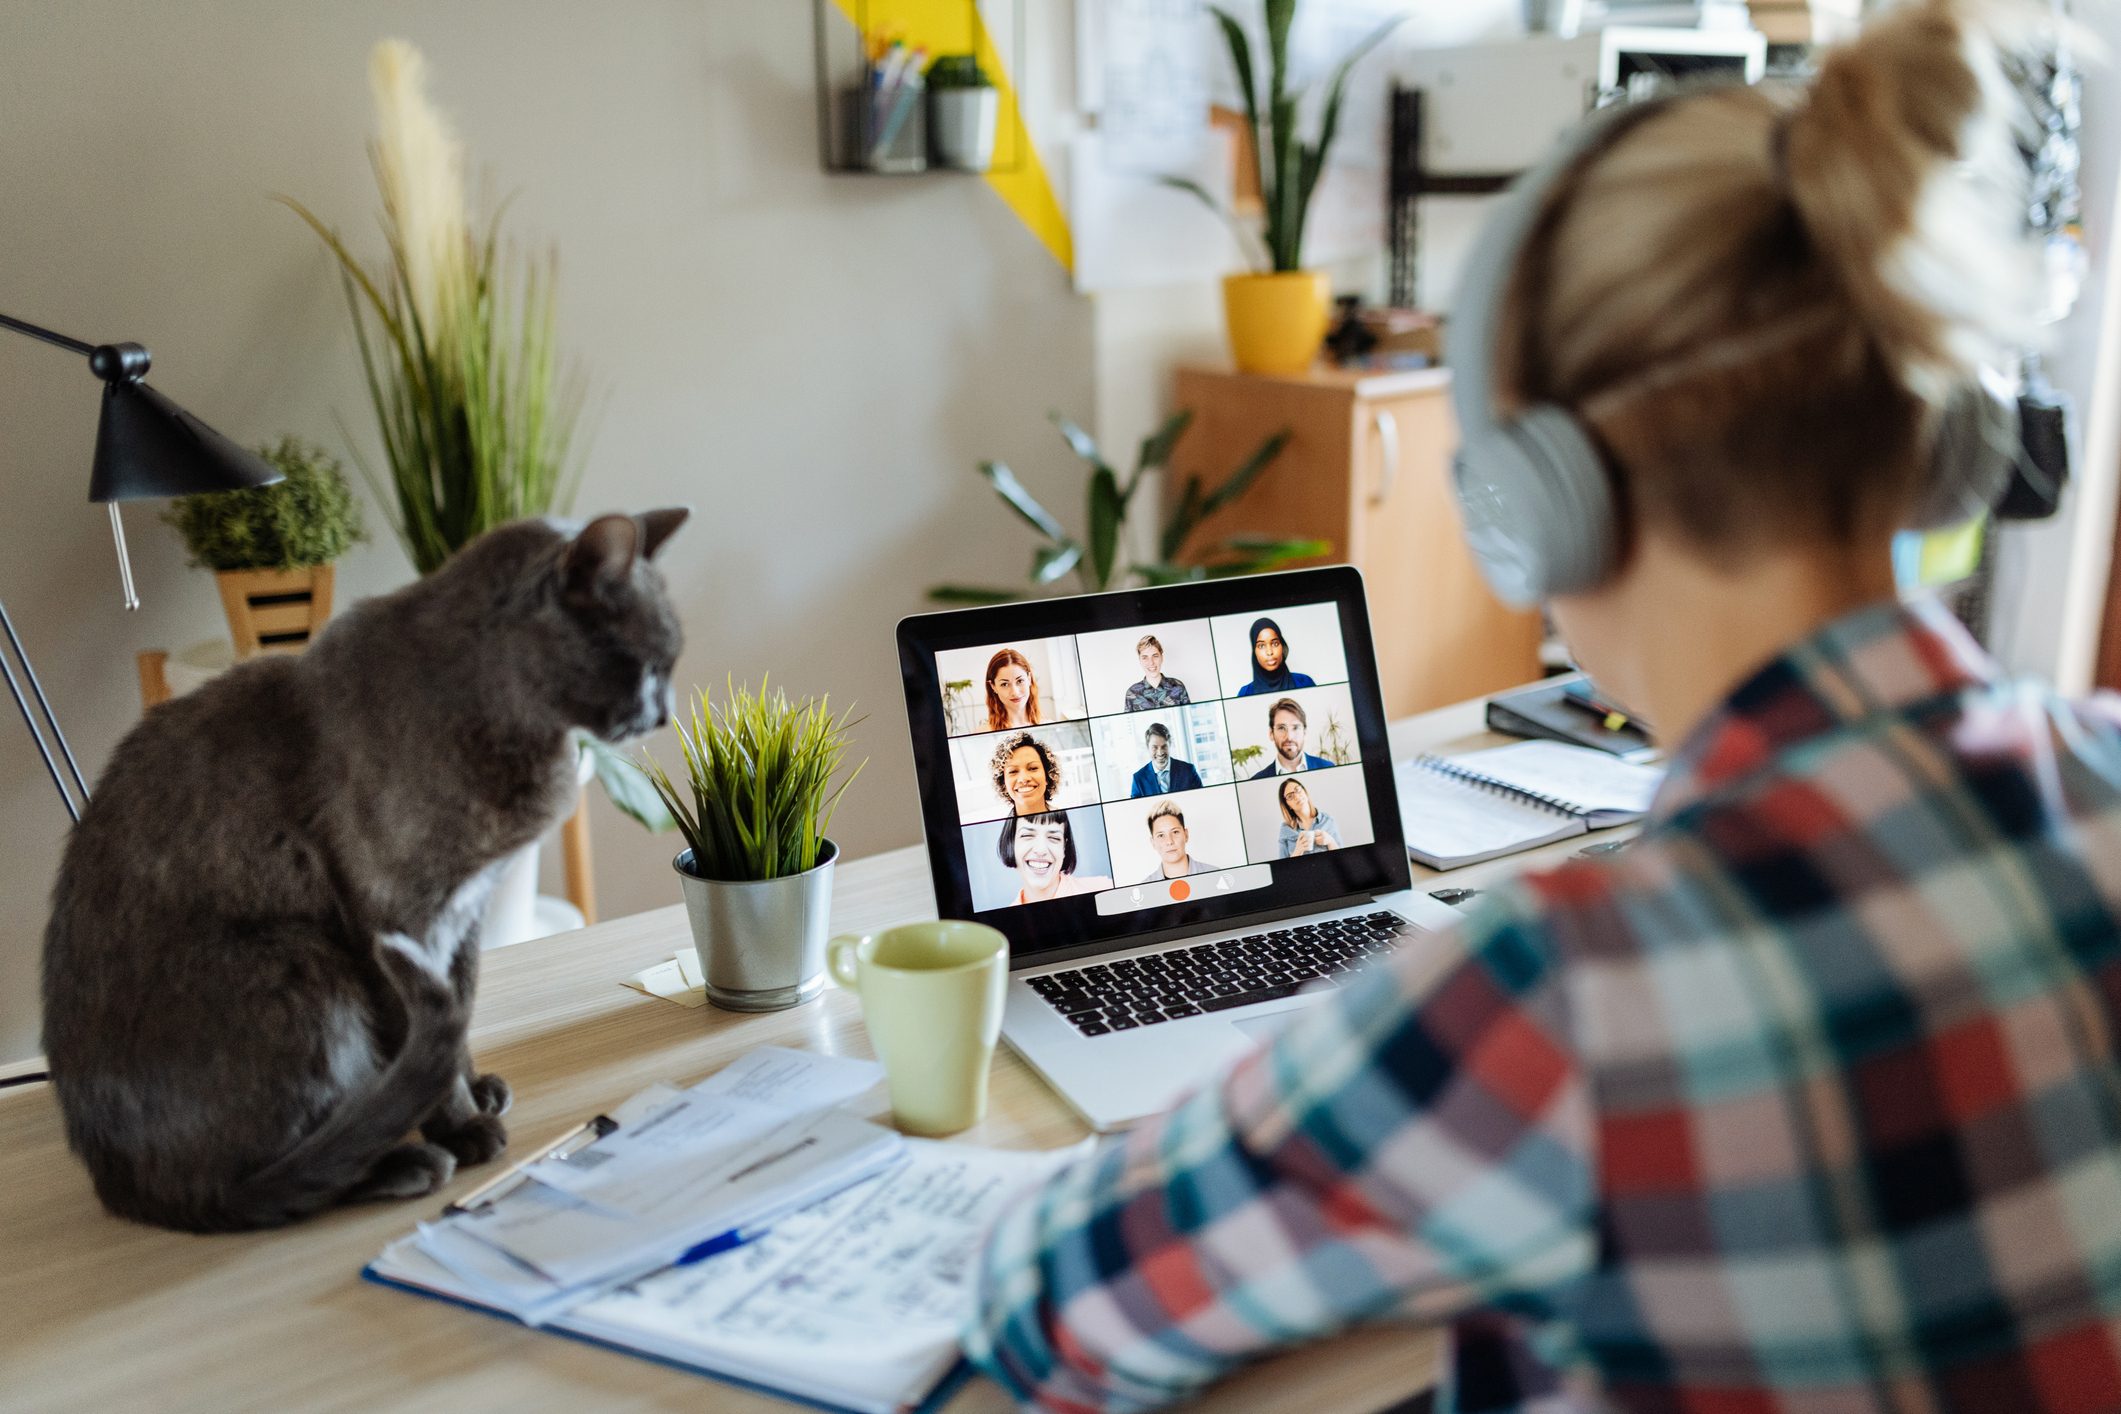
1069 952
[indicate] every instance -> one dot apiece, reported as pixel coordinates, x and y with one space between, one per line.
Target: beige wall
813 363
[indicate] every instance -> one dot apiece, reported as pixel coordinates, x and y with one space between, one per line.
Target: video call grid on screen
1054 752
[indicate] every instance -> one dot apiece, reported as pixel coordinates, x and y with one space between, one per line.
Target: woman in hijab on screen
1270 662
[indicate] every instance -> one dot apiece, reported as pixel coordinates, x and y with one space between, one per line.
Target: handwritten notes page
855 1301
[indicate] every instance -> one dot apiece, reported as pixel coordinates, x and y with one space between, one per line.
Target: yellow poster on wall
956 27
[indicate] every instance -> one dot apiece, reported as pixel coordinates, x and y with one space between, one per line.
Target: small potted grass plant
763 777
964 107
272 548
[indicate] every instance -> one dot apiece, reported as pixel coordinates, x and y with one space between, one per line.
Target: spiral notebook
1466 809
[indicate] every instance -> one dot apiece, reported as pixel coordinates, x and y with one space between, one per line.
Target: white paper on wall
1132 231
1143 69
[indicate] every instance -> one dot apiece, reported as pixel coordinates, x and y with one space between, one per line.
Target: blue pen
716 1246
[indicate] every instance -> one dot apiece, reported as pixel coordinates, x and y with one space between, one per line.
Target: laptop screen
1114 767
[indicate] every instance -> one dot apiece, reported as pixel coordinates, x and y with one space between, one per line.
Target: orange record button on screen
1180 891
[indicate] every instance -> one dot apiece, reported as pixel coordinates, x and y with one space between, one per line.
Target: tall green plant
1285 168
457 341
1095 556
763 781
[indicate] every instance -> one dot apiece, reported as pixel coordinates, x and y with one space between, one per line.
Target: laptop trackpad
1261 1028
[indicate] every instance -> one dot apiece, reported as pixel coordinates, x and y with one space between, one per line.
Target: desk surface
96 1313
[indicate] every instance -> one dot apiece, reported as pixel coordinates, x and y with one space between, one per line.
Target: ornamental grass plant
457 338
763 778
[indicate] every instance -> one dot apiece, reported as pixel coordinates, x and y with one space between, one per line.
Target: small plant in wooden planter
272 547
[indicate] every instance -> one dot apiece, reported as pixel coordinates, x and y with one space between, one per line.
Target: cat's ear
658 526
601 555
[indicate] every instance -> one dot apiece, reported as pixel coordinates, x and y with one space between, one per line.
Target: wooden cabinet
1367 467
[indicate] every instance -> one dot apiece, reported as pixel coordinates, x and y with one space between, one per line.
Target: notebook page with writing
1450 821
853 1302
1604 790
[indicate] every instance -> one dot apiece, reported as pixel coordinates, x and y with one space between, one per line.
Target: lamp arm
107 363
21 326
36 731
113 363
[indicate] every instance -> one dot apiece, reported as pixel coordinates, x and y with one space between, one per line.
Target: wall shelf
846 32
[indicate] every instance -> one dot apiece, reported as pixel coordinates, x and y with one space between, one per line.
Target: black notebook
1561 709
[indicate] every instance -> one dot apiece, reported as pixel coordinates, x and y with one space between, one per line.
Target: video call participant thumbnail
1154 690
1270 663
1304 826
1164 772
1041 849
1167 831
1012 692
1026 773
1287 726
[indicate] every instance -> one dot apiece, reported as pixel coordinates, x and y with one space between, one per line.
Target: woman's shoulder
1302 680
1247 689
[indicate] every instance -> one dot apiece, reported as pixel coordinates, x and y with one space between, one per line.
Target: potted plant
272 548
1097 562
763 779
1276 315
458 339
963 107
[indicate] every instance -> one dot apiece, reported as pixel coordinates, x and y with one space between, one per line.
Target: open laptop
1195 835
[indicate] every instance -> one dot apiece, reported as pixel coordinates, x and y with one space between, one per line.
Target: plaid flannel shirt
1808 1100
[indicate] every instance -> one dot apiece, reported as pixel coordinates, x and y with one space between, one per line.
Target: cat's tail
338 1154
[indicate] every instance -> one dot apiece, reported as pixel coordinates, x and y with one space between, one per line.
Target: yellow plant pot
1276 322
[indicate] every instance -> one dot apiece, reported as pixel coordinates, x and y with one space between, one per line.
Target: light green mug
932 999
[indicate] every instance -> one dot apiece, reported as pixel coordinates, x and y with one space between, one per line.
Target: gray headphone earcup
1538 507
1971 458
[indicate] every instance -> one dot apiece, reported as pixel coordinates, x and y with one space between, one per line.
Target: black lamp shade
147 446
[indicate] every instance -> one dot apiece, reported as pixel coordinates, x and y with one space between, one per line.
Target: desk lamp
146 447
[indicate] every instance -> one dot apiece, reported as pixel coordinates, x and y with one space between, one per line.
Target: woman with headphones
1811 1098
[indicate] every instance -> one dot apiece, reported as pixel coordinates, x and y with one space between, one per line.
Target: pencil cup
932 1000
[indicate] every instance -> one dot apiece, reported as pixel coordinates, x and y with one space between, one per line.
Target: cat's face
574 619
625 634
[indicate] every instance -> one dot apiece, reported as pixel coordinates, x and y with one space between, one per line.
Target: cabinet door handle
1388 453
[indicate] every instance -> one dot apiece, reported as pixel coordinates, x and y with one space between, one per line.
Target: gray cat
264 935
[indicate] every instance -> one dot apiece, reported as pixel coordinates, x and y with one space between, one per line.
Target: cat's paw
407 1171
492 1095
474 1141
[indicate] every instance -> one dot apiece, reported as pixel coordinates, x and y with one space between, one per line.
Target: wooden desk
101 1314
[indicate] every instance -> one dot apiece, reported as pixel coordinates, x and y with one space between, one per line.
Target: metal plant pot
761 944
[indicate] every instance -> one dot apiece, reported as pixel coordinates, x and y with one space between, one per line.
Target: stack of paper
854 1303
853 1300
686 1173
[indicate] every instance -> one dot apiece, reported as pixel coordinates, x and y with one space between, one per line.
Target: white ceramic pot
514 913
961 127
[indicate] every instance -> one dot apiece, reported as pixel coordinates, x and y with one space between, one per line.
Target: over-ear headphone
1533 489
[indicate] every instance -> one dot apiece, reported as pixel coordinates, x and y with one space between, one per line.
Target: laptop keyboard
1166 986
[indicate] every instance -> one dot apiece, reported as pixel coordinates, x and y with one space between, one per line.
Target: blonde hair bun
1758 300
1903 164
